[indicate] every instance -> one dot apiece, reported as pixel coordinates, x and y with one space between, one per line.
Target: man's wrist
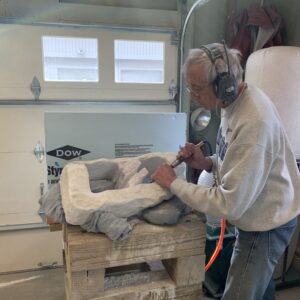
208 164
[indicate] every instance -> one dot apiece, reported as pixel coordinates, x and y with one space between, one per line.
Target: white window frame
45 38
22 58
135 68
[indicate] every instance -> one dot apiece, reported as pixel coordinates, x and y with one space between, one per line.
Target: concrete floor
49 285
33 285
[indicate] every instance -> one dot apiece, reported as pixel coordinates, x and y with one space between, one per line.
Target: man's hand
164 176
194 157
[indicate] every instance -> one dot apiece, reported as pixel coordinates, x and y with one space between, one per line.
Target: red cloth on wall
256 27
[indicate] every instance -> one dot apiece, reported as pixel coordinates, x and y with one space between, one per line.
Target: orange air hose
219 246
223 221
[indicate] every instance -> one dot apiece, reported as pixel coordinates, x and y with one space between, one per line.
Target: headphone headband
212 52
225 85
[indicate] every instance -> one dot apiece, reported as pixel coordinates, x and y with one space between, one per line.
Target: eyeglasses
196 90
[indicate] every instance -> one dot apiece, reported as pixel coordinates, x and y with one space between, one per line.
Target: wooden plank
146 243
155 284
85 285
158 287
53 226
157 292
67 229
186 270
67 288
164 289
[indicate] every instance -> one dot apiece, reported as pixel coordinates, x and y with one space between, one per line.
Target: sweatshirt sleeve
243 174
214 164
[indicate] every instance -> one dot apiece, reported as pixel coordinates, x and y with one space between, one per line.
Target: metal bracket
42 189
39 152
175 38
35 88
173 89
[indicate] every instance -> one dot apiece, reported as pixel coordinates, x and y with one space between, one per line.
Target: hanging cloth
256 27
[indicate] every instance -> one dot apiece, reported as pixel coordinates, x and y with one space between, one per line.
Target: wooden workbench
98 268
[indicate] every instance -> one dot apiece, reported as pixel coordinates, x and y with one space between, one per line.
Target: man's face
200 89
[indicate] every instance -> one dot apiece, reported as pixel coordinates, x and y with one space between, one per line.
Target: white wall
154 13
20 178
22 126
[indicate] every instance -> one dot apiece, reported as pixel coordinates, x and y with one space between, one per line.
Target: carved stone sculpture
128 176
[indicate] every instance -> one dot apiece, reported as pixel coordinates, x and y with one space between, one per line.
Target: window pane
70 59
139 61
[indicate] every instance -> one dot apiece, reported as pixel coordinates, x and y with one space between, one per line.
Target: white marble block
129 196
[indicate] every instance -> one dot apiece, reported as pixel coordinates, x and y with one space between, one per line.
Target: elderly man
257 181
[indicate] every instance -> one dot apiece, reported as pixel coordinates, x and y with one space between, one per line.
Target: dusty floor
49 285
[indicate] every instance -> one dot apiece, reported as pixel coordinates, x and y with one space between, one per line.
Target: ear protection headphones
225 85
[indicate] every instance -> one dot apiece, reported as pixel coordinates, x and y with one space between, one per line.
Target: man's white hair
199 56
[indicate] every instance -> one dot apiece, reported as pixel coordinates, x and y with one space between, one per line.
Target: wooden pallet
99 269
53 226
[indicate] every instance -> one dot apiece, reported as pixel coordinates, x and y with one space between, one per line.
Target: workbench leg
186 270
85 285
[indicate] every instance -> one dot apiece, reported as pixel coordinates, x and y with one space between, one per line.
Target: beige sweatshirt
259 186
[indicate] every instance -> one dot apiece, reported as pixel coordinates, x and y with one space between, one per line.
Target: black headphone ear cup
226 87
216 86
